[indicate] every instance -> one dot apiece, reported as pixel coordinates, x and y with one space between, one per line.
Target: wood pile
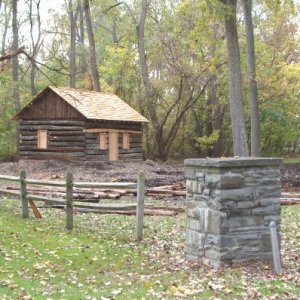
95 195
290 199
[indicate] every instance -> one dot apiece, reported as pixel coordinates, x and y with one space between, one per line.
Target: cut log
53 122
156 191
290 201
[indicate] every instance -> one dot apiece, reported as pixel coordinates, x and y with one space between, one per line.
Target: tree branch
12 54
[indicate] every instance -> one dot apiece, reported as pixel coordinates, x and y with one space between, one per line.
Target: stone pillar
230 203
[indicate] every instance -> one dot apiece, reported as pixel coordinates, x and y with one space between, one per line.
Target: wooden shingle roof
99 105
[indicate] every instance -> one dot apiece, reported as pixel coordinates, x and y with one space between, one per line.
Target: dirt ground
156 173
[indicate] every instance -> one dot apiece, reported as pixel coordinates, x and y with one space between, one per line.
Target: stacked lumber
290 199
172 190
95 195
87 195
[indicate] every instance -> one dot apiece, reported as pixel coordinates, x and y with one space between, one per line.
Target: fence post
140 206
25 211
69 201
275 248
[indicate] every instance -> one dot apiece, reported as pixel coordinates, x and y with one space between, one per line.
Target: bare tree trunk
15 60
114 30
255 120
34 44
15 64
72 56
83 65
217 117
150 102
7 12
240 147
93 59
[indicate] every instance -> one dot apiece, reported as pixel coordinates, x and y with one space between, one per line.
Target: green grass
39 259
292 160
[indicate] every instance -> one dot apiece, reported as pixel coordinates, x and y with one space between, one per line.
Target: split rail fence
69 204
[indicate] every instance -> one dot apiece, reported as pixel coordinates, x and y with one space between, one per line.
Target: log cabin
72 124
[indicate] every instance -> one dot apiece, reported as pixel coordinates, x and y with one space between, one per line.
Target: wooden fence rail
69 184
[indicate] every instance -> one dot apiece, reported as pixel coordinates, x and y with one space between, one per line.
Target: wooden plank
28 138
111 206
148 212
108 130
92 124
125 140
68 133
42 137
45 182
54 149
106 185
17 193
49 153
131 150
69 201
66 157
52 122
35 210
25 212
47 199
55 138
10 178
113 151
51 127
140 206
131 155
66 144
103 140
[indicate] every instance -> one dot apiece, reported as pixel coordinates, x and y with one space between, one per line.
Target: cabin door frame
113 148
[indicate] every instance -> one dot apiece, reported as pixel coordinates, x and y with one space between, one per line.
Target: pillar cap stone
233 162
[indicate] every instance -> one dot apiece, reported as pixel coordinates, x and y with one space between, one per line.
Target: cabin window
126 140
42 139
103 140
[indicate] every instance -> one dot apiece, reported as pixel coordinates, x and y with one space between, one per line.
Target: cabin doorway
113 152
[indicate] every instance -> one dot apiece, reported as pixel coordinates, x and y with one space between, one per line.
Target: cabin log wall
65 139
93 151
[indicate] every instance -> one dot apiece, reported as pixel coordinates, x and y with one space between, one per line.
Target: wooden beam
91 130
113 151
10 178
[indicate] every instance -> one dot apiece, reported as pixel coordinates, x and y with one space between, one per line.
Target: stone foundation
230 203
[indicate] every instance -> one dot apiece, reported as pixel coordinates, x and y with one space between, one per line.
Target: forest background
184 67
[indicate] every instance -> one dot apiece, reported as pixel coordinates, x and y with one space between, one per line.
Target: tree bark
7 15
15 65
93 58
216 117
72 56
15 60
150 102
83 65
114 30
34 44
240 147
253 94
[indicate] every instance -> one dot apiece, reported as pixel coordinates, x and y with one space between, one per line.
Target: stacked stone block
230 203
